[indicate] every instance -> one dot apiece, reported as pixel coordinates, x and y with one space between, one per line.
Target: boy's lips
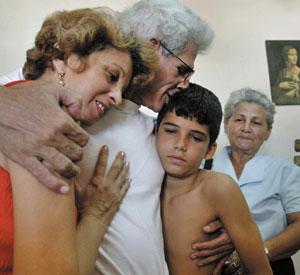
176 159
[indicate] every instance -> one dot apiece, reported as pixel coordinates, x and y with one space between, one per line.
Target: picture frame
283 57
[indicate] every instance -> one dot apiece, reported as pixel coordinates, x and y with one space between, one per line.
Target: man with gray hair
134 241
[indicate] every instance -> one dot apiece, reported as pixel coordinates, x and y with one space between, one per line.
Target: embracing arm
33 127
240 226
44 227
46 238
286 243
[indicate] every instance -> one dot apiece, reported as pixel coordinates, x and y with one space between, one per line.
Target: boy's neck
176 186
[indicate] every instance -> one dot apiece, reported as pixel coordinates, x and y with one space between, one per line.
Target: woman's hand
103 195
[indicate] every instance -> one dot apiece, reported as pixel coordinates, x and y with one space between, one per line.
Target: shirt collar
254 169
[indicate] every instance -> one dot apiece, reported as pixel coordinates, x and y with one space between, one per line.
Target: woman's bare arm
286 243
44 227
45 221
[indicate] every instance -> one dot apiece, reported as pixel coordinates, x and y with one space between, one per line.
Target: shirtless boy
187 128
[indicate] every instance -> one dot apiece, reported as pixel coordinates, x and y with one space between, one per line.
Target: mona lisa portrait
284 71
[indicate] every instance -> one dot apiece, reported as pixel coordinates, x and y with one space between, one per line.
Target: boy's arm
37 134
231 207
281 246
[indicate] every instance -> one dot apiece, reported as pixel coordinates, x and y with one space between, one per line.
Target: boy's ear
211 151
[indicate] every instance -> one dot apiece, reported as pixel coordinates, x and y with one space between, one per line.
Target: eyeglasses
184 70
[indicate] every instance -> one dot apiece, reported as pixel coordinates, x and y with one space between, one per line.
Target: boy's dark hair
196 102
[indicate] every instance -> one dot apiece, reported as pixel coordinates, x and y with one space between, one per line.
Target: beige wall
236 59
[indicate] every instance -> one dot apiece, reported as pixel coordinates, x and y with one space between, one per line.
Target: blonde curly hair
82 32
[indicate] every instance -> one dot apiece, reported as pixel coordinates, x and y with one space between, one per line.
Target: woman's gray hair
168 21
251 96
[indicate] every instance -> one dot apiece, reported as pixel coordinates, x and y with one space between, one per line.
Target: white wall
236 59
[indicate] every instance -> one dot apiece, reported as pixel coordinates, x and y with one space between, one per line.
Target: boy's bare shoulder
215 183
210 177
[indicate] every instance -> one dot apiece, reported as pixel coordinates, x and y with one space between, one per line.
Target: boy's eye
170 131
198 138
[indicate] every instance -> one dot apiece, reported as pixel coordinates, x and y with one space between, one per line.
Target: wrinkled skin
104 193
53 139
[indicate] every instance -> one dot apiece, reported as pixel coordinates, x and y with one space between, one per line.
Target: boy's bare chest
186 214
183 219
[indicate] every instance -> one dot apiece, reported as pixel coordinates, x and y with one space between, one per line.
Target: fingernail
122 154
200 264
105 147
64 189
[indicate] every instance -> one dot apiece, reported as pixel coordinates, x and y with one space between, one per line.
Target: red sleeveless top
6 224
6 218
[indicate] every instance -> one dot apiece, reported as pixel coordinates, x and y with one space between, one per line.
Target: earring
61 77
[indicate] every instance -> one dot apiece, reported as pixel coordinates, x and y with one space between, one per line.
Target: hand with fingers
103 195
37 134
216 250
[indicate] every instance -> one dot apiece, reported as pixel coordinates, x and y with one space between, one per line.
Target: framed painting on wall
284 71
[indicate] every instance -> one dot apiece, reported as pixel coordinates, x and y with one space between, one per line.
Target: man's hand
37 134
103 195
215 250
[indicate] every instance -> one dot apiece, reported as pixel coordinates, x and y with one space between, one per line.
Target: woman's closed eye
113 76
